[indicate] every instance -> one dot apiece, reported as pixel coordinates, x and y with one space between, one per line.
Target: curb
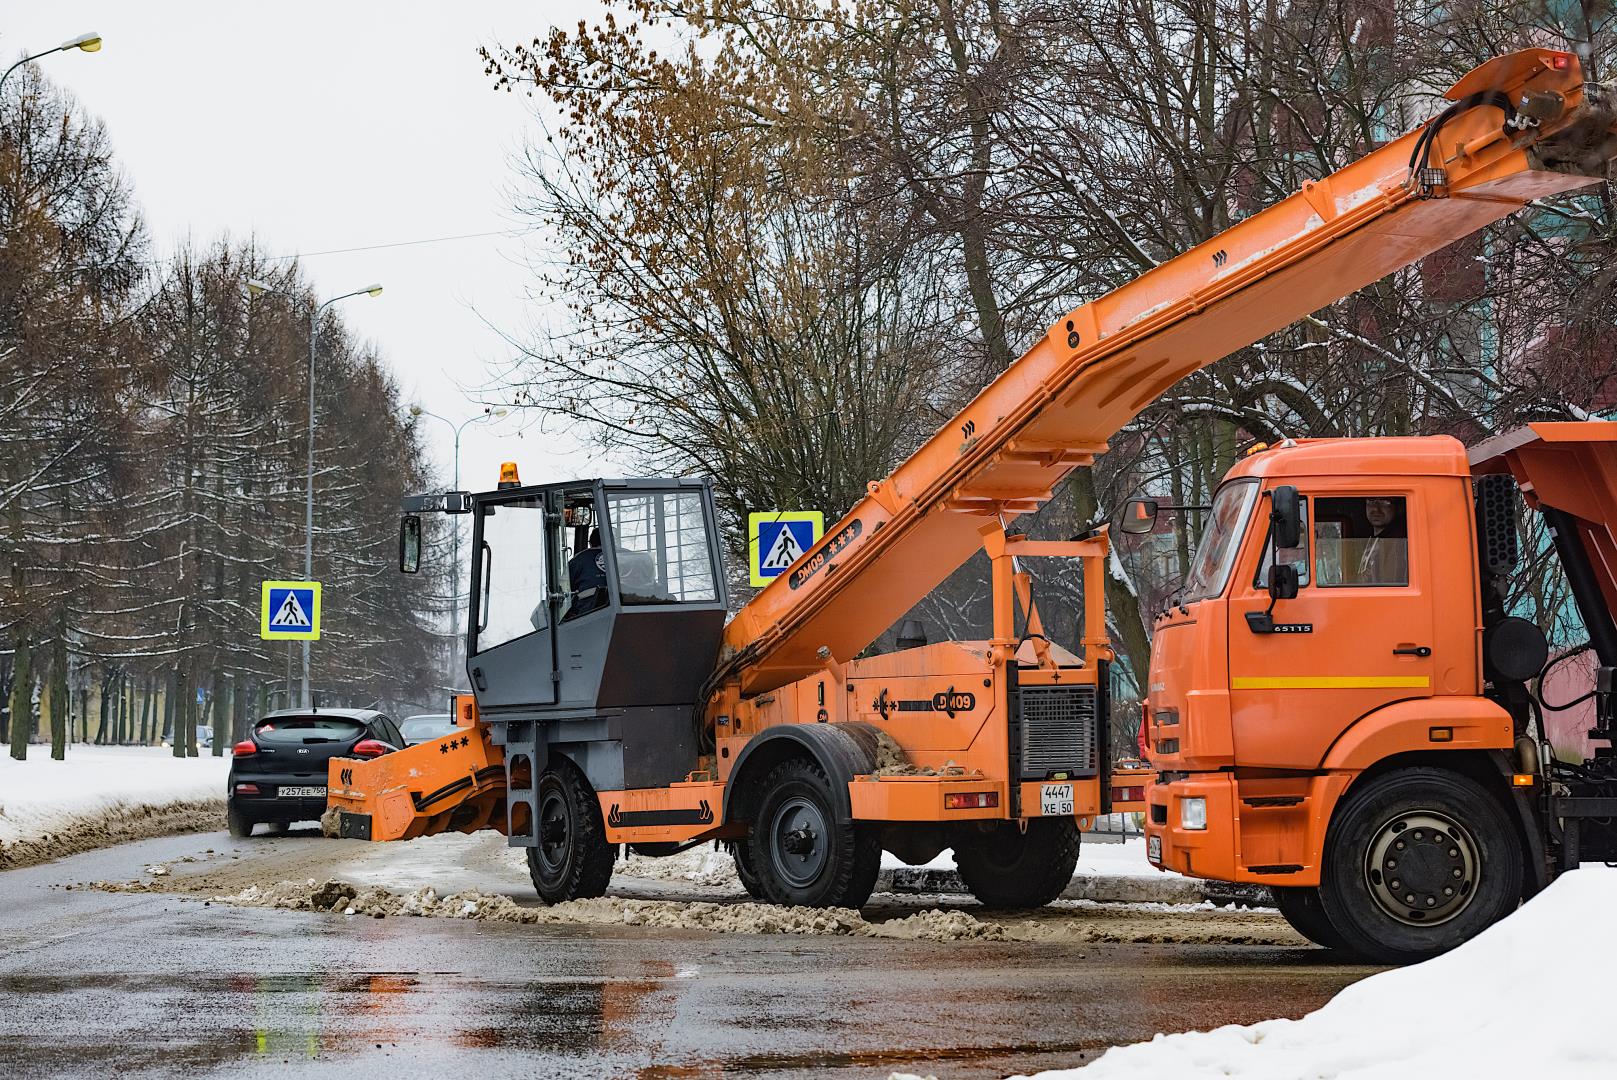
1099 888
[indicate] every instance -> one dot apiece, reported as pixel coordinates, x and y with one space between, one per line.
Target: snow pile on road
1527 997
701 865
103 795
343 898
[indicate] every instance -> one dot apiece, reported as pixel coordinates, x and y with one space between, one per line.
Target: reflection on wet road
94 983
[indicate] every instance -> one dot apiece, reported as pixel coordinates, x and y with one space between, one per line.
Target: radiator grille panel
1058 731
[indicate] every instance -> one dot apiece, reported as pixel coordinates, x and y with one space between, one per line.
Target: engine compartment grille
1058 731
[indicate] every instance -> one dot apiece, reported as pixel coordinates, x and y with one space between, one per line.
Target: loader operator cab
596 608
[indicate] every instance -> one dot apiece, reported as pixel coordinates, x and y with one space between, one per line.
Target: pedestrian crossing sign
290 611
778 538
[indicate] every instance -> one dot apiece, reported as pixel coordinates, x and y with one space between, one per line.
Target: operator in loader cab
586 577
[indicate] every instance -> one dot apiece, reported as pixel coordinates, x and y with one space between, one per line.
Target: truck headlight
1193 814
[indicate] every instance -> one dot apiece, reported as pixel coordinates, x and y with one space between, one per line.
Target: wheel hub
1422 868
799 851
552 832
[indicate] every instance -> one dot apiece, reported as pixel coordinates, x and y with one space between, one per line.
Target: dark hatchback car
278 775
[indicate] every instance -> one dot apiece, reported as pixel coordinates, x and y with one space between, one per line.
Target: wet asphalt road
94 983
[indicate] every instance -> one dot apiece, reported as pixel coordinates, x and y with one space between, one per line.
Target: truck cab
1273 691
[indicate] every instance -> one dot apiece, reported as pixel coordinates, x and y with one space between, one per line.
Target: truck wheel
1304 910
741 852
801 854
571 859
238 823
1416 862
1008 868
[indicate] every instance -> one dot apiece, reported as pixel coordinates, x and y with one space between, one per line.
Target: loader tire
800 853
570 859
741 851
1416 862
1305 911
1008 868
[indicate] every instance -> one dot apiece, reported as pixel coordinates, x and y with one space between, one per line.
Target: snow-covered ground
1529 997
1096 858
40 796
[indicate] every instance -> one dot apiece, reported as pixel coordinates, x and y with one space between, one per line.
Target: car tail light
971 800
246 789
369 748
245 748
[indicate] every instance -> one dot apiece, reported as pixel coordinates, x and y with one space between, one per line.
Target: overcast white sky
335 124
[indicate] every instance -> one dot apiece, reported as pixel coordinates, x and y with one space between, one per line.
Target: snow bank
97 787
1530 996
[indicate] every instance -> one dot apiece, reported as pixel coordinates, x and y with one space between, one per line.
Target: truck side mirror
1286 518
1282 582
1139 516
409 543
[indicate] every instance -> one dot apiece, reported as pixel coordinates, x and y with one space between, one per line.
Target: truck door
1358 635
511 654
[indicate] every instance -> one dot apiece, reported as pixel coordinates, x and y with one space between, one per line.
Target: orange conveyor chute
1053 409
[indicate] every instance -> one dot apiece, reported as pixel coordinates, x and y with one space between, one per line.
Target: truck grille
1058 731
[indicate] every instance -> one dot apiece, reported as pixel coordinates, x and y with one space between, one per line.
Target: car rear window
426 727
307 729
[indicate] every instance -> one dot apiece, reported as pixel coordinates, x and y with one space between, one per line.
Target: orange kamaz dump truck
1342 707
621 708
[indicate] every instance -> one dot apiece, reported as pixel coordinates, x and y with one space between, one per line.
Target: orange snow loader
624 709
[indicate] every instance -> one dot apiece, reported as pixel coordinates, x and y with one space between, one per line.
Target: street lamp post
256 287
457 637
90 42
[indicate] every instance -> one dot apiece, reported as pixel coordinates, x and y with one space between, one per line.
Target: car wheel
1416 862
238 822
570 859
1008 868
801 854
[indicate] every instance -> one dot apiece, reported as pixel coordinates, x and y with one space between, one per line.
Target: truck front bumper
1260 831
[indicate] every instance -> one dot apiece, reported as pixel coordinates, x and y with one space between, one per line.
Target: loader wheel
801 854
1304 910
571 859
1416 862
239 824
1008 868
741 852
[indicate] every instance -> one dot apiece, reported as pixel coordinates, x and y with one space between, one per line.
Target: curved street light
256 287
90 42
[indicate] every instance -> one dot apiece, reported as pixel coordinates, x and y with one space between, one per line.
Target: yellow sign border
264 631
758 517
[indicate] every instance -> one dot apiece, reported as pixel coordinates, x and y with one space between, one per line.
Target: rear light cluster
247 789
971 800
369 748
1128 794
245 748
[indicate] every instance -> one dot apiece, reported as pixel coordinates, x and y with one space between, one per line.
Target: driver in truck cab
586 578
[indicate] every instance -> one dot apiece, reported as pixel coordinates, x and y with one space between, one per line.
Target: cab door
511 651
1358 635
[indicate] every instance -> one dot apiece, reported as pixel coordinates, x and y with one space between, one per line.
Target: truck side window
1362 541
1296 557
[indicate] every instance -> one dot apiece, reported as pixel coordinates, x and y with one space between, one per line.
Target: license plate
1153 848
303 793
1055 800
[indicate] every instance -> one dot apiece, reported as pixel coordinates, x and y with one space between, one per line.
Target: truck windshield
1232 506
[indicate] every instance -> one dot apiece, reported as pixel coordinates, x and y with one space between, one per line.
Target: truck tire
1416 862
238 822
1008 868
801 854
741 852
570 859
1305 911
